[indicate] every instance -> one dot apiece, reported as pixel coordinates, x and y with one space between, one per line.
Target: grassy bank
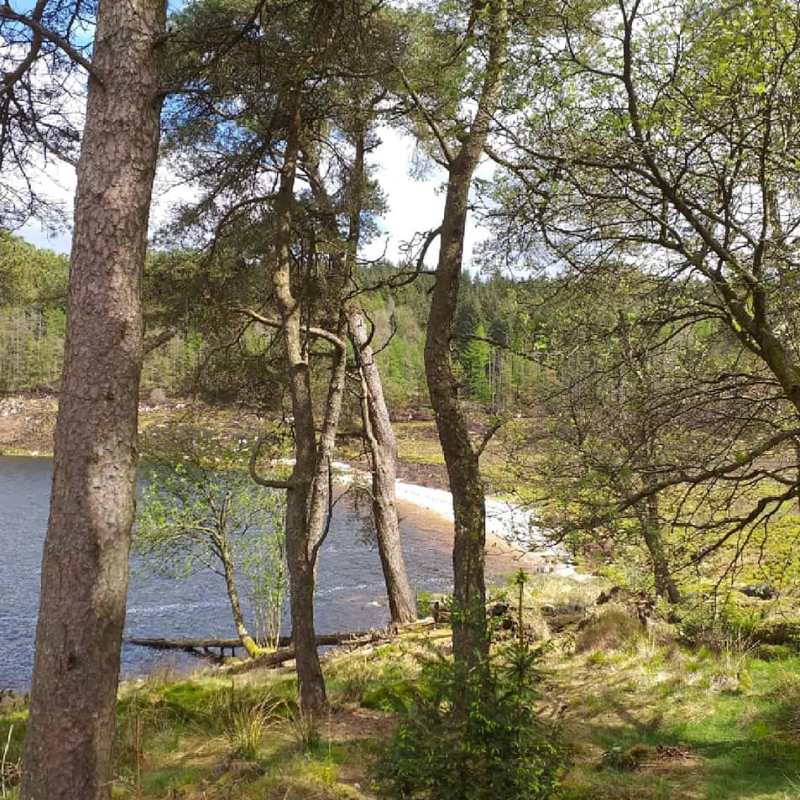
27 424
642 717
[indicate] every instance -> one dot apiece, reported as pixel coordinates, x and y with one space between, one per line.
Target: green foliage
31 348
721 623
30 276
33 286
473 735
200 510
477 362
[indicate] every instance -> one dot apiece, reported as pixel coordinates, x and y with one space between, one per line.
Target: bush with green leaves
200 510
721 623
474 735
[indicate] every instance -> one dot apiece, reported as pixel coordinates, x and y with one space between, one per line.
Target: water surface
350 594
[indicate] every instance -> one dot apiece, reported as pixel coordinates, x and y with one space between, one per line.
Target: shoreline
510 528
26 424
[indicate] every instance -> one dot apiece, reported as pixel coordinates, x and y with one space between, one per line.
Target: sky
414 205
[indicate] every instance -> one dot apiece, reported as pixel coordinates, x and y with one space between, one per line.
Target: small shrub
244 720
245 729
612 628
626 759
784 716
774 652
721 626
473 736
472 733
425 602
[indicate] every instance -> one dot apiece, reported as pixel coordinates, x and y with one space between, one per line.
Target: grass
645 719
700 738
210 737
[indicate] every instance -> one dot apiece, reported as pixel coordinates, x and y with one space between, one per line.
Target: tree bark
461 457
383 453
650 521
308 496
249 644
301 569
85 561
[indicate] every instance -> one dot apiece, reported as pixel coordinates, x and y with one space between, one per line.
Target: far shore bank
27 424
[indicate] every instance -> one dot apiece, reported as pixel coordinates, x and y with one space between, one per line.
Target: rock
607 596
499 610
761 591
563 608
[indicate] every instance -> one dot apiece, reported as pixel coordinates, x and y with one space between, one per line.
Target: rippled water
350 593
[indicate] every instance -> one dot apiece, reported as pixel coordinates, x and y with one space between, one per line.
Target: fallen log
323 640
370 638
190 645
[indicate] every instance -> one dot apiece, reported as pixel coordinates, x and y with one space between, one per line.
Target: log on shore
232 644
185 644
370 638
323 640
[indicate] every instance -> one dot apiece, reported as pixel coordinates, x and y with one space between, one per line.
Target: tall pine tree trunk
461 457
300 565
85 562
383 454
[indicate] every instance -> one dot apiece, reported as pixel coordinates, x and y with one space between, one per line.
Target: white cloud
414 205
54 181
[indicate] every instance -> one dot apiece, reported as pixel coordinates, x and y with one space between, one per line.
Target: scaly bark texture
301 569
308 495
383 454
85 562
461 457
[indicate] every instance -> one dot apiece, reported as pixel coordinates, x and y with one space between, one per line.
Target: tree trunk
383 453
85 561
461 457
469 502
301 570
651 531
249 644
308 496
